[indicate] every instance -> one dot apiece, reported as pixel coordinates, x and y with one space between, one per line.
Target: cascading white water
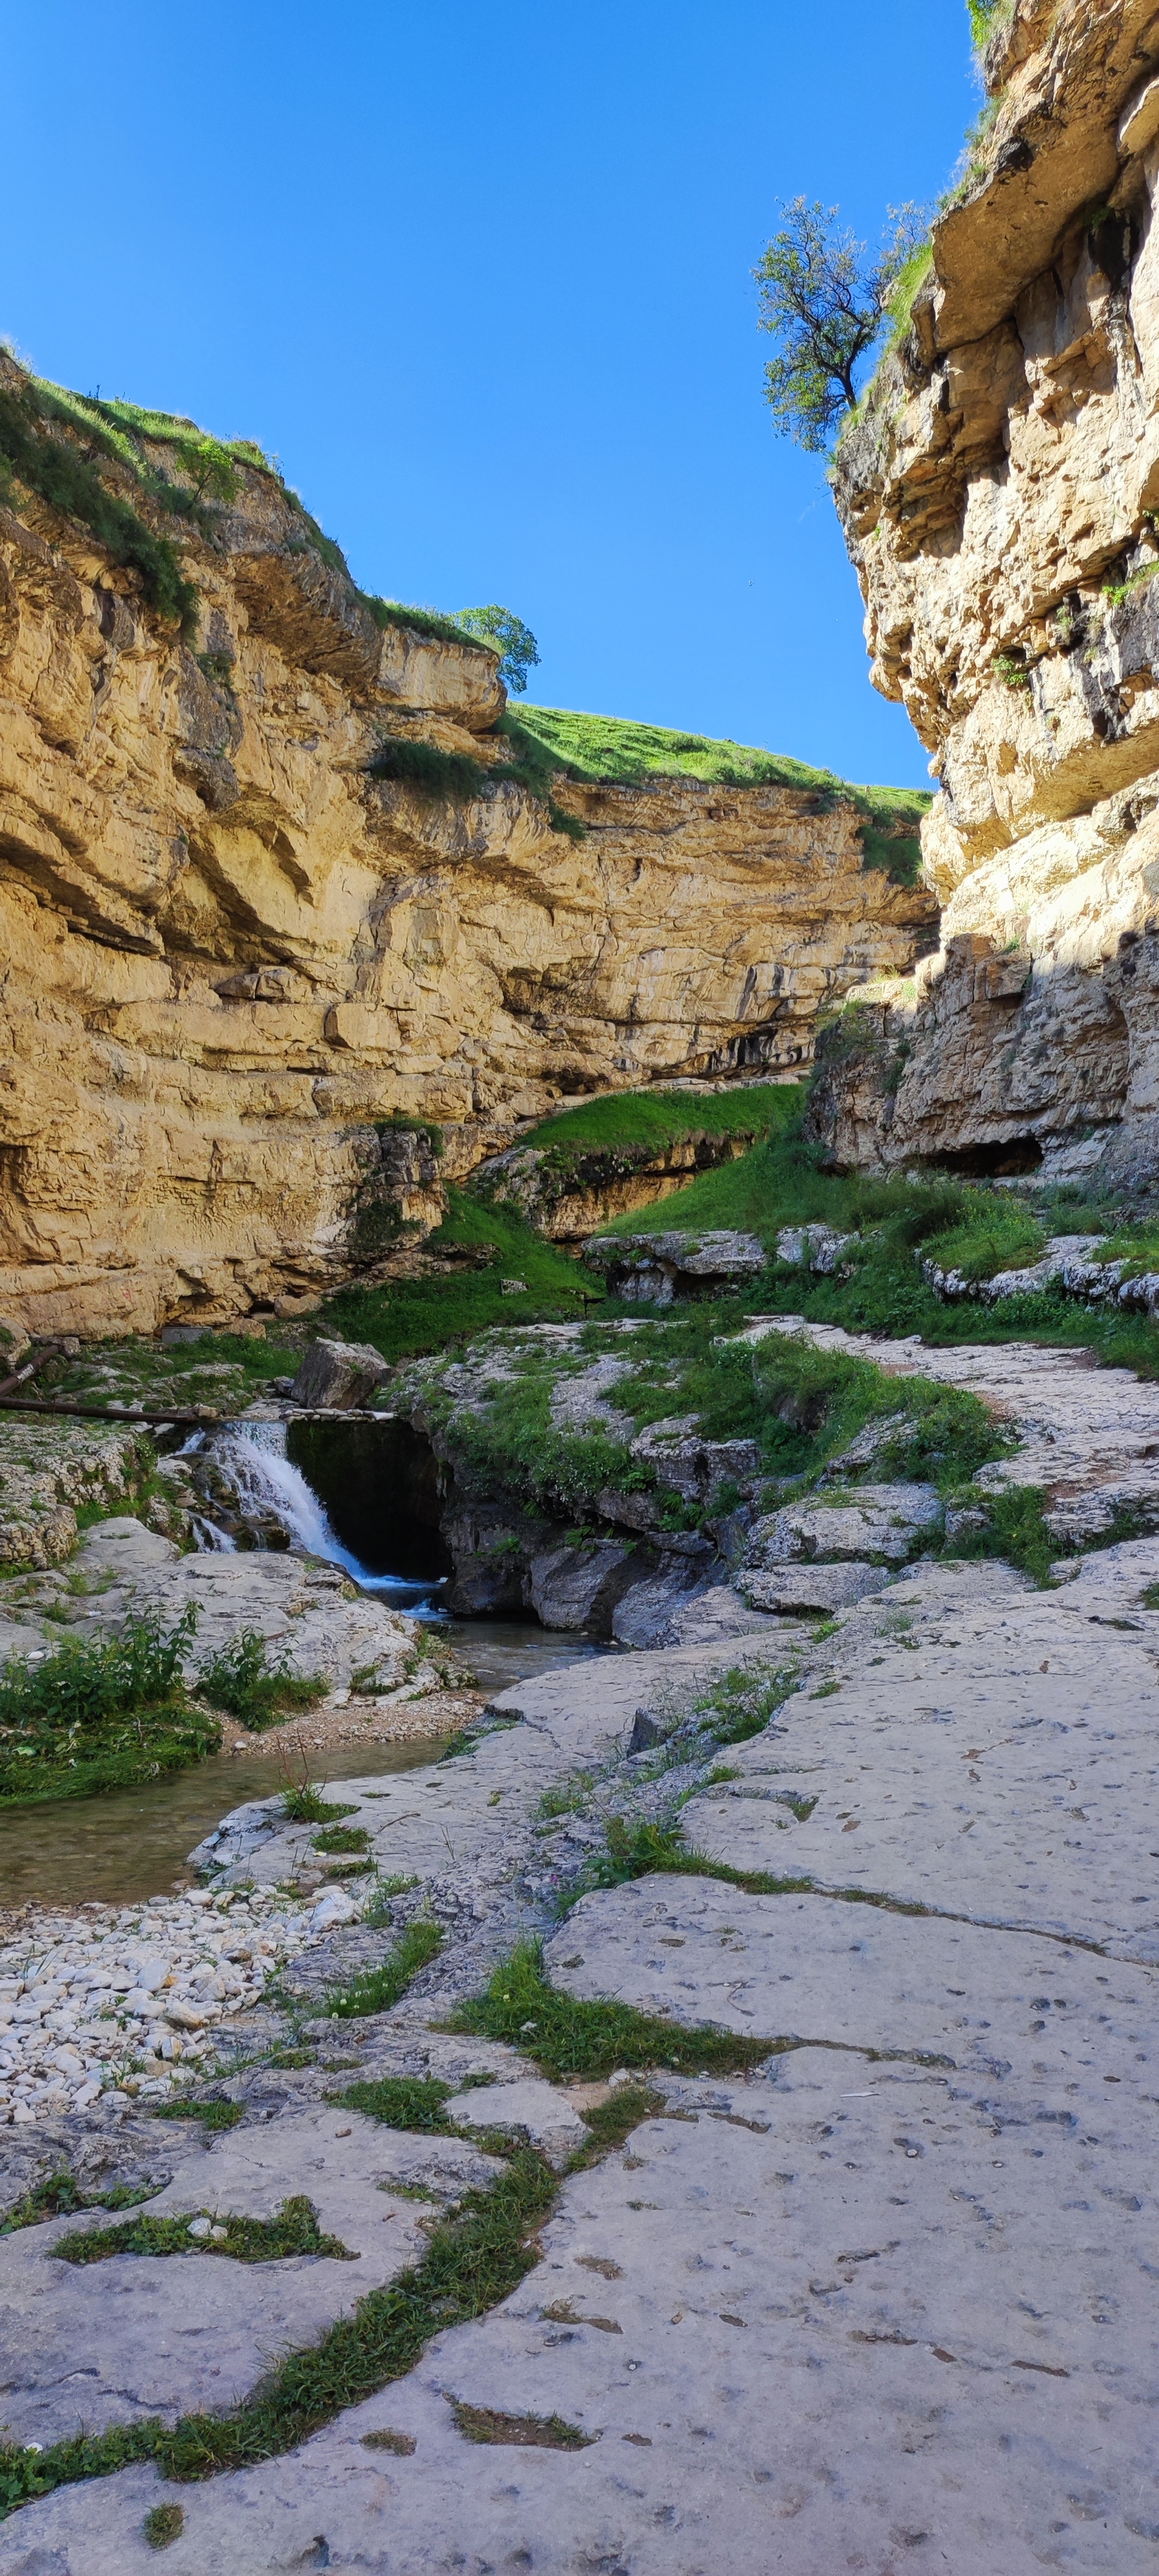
251 1458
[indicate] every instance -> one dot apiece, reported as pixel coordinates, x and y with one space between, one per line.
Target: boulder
578 1587
882 1522
657 1268
341 1376
797 1589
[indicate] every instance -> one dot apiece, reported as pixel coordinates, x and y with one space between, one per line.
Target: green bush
446 775
101 1713
241 1679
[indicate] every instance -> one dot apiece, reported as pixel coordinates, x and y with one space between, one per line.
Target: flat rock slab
1010 2007
991 1751
460 1811
835 2319
144 2335
549 2120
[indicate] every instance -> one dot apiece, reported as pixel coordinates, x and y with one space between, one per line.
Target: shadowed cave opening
378 1484
1001 1158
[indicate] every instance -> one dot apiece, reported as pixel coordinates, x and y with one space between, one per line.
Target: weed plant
241 1679
379 1988
294 2231
100 1713
570 2039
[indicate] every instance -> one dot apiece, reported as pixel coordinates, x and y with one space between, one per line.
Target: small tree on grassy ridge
827 308
511 638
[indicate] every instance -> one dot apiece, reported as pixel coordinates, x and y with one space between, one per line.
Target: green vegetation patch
215 2113
37 452
307 1806
569 2039
420 1315
379 1988
784 1183
402 2102
164 2525
294 2231
242 1679
612 750
641 1123
100 1713
60 2196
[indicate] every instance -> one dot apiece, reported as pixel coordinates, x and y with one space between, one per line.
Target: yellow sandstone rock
999 491
229 950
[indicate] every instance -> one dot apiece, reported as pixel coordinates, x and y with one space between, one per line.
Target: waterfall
250 1459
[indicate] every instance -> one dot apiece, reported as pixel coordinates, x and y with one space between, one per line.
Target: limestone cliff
237 961
999 493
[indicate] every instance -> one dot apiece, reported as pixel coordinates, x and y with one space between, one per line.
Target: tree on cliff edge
510 637
826 308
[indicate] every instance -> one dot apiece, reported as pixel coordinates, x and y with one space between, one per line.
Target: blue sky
481 279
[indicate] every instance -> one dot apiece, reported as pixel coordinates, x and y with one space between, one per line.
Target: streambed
133 1843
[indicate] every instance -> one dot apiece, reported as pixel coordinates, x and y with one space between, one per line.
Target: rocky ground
923 2189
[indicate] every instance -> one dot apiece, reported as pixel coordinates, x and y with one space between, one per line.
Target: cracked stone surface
144 2335
1090 1436
992 1752
888 2300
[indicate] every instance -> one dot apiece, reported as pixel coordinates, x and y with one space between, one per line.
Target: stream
362 1515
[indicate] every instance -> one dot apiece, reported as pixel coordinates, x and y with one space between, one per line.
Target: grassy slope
609 747
980 1230
422 1315
662 1117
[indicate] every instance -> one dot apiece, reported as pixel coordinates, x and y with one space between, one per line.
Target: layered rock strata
998 495
243 975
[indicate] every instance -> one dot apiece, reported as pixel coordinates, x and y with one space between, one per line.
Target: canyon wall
999 492
240 971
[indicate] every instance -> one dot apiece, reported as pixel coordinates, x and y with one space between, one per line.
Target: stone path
886 2303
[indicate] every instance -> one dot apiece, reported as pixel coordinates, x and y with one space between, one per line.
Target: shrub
241 1679
443 774
100 1713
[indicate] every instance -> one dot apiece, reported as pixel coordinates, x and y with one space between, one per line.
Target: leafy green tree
511 638
826 307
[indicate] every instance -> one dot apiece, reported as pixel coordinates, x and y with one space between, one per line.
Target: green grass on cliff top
611 748
659 1118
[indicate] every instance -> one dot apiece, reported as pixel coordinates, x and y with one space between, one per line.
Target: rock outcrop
998 494
244 975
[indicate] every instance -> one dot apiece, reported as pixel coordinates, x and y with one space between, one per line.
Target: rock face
241 973
997 495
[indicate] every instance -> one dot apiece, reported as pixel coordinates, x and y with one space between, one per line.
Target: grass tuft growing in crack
60 2196
567 2038
524 2432
295 2230
474 2260
378 1988
402 2102
215 2114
